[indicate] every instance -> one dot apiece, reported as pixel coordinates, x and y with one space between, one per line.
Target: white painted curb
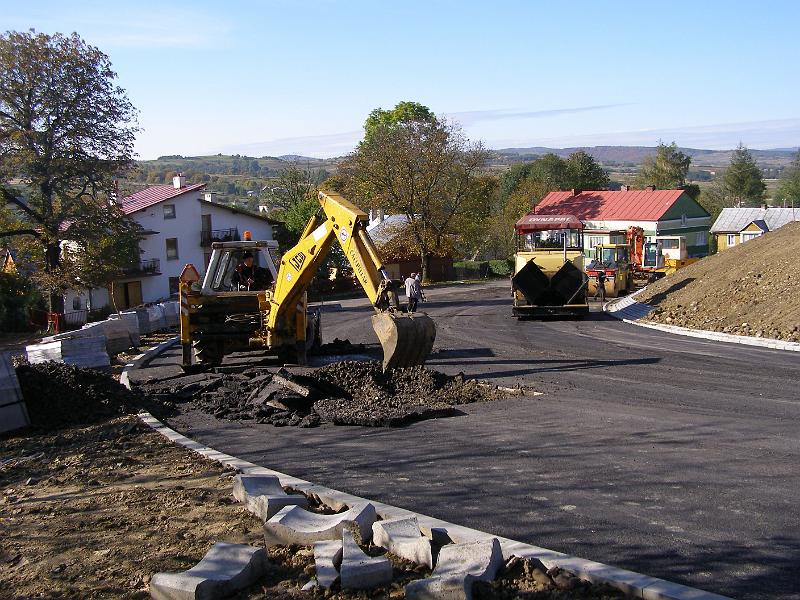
634 584
630 311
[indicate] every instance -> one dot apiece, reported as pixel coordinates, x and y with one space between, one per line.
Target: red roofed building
607 214
180 223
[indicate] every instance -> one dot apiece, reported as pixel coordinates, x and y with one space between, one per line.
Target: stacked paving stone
13 412
171 313
158 320
131 322
80 351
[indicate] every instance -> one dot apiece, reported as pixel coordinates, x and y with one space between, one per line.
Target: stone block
359 571
263 495
403 538
13 412
458 567
327 559
224 570
295 525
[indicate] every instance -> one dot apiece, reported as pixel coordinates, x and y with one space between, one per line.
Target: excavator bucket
407 339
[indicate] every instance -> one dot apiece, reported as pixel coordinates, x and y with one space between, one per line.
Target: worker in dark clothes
601 286
249 276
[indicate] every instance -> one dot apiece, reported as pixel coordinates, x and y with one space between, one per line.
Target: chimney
764 207
575 192
179 181
650 188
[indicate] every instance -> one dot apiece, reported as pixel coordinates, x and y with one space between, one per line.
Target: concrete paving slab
327 559
295 525
403 538
458 567
263 495
225 569
359 571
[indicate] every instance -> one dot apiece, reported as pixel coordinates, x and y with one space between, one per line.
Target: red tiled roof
153 195
633 205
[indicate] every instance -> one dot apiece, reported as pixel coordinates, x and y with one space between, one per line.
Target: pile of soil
59 395
374 398
529 579
342 393
750 289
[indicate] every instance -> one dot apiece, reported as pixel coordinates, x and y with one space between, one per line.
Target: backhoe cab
253 298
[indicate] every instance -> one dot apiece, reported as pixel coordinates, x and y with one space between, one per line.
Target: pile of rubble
58 395
343 393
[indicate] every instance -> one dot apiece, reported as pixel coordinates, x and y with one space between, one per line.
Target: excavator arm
407 340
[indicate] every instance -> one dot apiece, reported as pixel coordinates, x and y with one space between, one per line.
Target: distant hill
634 155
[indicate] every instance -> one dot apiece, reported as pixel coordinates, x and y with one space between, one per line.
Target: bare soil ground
751 289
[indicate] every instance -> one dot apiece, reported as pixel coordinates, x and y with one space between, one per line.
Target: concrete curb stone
630 582
295 525
359 571
141 359
263 495
458 567
327 559
225 569
403 538
630 311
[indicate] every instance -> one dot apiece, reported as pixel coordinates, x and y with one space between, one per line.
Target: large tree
66 130
423 167
742 181
666 170
789 185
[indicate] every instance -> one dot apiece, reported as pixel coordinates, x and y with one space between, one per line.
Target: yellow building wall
722 241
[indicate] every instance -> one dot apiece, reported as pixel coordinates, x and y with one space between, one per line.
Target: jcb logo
297 261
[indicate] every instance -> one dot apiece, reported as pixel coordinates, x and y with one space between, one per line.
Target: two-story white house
180 222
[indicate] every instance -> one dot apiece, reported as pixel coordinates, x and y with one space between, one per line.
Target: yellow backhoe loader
262 303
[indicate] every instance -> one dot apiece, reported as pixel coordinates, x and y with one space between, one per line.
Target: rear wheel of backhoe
207 353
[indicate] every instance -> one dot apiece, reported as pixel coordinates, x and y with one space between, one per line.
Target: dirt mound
59 395
343 393
750 289
374 398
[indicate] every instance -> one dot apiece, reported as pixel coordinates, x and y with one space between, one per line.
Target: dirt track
751 289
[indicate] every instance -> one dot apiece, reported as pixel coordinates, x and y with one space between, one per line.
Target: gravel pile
750 289
59 395
343 393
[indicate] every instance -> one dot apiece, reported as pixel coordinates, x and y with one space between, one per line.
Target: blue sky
299 77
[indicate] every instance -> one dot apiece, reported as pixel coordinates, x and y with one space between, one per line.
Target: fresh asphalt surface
662 454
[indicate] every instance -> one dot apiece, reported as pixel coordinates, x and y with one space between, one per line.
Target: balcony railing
144 268
218 235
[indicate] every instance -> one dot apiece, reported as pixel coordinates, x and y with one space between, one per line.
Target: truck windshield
550 239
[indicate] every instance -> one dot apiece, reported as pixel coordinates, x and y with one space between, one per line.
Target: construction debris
59 395
342 393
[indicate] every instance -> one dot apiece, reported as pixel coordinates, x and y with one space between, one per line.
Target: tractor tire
207 353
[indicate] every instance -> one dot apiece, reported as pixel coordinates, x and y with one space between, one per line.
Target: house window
746 237
76 303
173 286
172 248
701 239
169 211
731 240
595 240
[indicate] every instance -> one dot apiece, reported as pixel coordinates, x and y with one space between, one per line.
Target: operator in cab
249 276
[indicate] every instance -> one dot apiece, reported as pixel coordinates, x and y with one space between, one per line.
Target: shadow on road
543 366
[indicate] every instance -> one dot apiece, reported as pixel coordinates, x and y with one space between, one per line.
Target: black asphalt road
662 454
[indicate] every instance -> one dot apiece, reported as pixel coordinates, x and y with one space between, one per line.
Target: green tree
423 168
66 130
294 186
403 113
584 173
666 170
742 180
788 190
